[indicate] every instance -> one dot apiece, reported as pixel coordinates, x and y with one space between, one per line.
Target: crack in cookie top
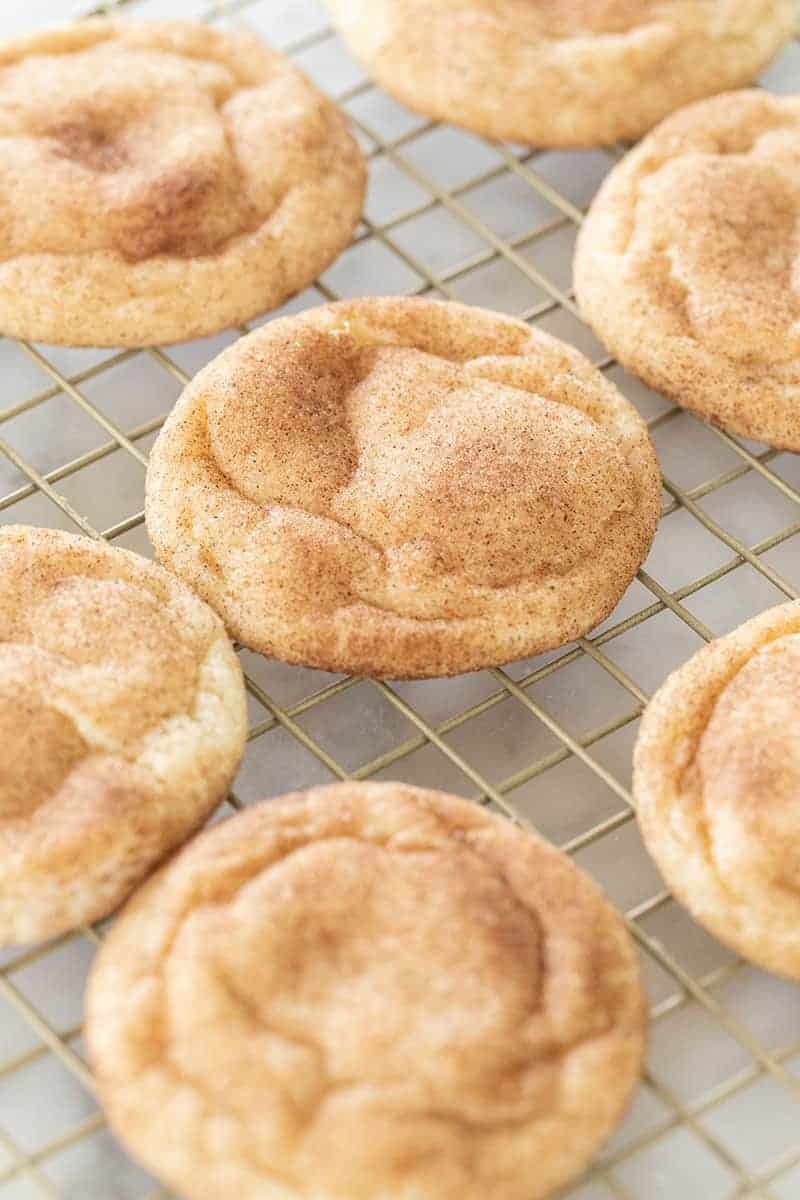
561 72
121 724
688 265
403 487
717 781
170 178
367 990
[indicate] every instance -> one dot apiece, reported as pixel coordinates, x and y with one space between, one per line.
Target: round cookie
717 781
162 181
561 72
370 991
688 267
403 488
122 723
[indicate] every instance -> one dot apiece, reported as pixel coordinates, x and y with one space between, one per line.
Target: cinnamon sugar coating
717 782
403 487
688 264
561 72
162 181
366 991
122 723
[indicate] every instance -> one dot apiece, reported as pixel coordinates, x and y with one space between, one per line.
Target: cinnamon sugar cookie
403 487
561 72
159 182
122 722
688 264
365 991
717 780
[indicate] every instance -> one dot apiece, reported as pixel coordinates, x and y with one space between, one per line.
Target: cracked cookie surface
561 72
688 264
162 181
403 487
366 991
717 782
122 722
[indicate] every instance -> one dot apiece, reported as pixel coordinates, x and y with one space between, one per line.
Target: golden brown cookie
122 723
717 781
162 181
366 991
560 72
403 487
688 264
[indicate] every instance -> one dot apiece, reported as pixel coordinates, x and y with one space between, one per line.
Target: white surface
677 1143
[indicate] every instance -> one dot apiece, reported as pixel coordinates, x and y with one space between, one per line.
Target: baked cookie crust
716 780
162 181
122 723
366 990
403 488
561 72
687 266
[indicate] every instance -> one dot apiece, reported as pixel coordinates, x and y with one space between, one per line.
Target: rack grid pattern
545 742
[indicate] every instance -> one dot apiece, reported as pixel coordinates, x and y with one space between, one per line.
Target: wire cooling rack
547 741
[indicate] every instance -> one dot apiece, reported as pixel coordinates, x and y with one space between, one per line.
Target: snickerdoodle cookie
717 779
688 265
561 72
162 181
122 722
403 487
366 991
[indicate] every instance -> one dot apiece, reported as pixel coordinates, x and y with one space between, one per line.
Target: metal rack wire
646 1159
